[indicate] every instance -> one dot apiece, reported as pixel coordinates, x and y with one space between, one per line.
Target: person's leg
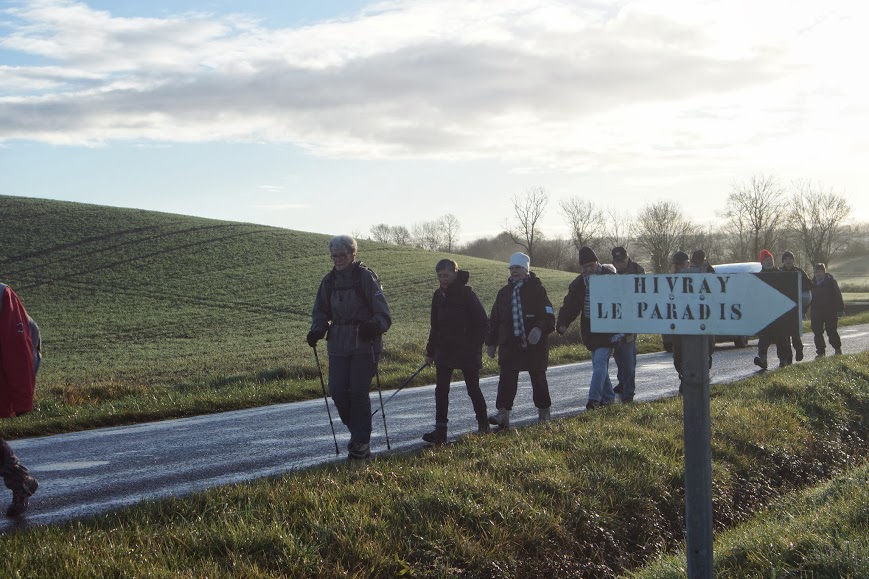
339 386
508 383
17 478
762 349
540 388
818 331
798 347
599 374
472 382
832 324
783 350
361 372
627 368
620 353
443 377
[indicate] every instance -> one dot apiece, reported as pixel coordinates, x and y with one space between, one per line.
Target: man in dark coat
17 381
697 264
576 304
522 319
764 339
827 307
625 354
455 341
787 260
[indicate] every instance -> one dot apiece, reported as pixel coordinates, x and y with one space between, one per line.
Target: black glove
315 336
368 330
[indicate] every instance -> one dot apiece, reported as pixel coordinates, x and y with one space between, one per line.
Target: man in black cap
698 262
794 340
625 354
576 305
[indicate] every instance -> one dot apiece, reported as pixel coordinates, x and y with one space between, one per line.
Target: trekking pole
380 393
326 399
403 384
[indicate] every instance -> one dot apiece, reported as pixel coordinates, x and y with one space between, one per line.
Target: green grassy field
595 495
147 315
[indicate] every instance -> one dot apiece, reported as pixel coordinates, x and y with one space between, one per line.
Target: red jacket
17 375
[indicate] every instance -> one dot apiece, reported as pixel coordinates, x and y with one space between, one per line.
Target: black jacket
633 268
574 307
826 297
458 326
538 313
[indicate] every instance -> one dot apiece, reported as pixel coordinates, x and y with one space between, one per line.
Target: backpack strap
357 285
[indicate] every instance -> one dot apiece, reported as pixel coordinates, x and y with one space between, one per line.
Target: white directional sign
733 304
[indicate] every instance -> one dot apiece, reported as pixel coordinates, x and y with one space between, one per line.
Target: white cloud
552 86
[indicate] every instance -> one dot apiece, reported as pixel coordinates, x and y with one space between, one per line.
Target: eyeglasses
339 255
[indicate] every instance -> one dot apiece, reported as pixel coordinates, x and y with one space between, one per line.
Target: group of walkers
351 312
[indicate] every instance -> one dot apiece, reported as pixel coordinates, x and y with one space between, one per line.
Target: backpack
356 274
35 338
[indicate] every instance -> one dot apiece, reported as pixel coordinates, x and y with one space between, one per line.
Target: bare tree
661 230
381 233
427 235
527 209
619 228
755 216
555 254
585 221
451 227
818 219
401 235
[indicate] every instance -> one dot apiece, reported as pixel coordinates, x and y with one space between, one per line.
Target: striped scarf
518 316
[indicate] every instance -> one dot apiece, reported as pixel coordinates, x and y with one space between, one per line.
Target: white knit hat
521 260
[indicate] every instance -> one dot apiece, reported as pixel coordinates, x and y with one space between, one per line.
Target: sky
335 115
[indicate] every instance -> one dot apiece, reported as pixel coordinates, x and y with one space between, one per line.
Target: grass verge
596 495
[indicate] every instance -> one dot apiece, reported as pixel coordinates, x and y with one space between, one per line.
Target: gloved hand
368 330
840 314
315 336
534 336
490 351
561 330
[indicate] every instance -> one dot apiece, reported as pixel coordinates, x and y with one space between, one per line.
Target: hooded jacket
17 373
574 307
458 325
826 297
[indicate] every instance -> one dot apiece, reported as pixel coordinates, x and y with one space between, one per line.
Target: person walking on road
625 354
576 305
522 319
827 307
792 343
350 310
764 339
19 362
455 341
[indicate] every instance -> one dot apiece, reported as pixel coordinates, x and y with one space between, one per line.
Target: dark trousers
349 386
830 322
789 341
782 347
508 384
13 472
677 352
442 393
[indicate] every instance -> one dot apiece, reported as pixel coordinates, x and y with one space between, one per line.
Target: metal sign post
694 308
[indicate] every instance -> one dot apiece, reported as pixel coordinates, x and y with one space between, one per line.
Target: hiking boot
543 415
436 436
483 426
820 354
21 497
627 399
783 363
358 451
838 352
592 405
619 388
760 361
799 356
501 420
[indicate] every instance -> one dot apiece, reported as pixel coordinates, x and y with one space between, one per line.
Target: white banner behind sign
729 304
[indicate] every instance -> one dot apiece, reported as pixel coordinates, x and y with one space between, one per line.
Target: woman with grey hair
351 312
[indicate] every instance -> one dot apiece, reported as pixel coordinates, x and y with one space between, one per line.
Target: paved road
87 473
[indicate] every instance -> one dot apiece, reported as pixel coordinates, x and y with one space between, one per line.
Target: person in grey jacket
351 312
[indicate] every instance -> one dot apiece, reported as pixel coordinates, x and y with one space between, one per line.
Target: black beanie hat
587 255
680 257
787 254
